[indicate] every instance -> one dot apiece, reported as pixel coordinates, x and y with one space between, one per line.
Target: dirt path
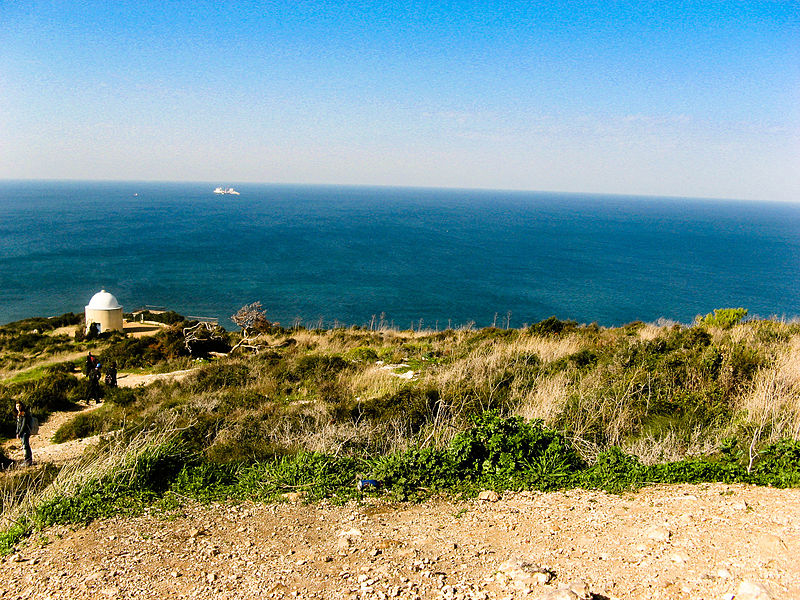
132 380
711 541
46 451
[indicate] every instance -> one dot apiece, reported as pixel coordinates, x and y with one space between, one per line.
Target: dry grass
671 446
119 456
772 403
546 400
370 382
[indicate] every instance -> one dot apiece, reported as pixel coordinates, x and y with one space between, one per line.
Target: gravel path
710 541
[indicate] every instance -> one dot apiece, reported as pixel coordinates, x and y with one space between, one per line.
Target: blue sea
343 255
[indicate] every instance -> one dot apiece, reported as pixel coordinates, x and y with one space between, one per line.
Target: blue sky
663 98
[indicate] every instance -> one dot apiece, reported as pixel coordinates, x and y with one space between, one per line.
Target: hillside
545 416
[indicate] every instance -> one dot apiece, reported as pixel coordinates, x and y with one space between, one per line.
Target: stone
580 589
770 544
749 590
522 573
559 594
659 534
489 496
343 543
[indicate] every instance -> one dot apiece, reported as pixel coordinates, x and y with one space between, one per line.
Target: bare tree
201 336
251 318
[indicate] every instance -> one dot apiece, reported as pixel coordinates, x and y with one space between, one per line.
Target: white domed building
104 310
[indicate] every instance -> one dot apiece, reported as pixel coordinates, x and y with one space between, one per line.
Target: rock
343 543
679 558
559 594
522 572
350 533
489 496
659 534
770 544
580 589
749 590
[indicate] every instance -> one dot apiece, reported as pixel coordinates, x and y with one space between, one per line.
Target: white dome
102 300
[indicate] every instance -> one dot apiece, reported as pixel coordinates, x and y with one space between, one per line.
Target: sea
402 257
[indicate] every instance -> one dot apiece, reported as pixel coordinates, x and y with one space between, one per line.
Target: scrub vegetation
551 406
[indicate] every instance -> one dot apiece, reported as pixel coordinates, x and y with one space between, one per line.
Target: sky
692 99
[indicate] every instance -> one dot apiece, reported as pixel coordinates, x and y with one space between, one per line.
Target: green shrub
316 366
318 475
86 424
503 449
121 396
552 326
724 318
221 375
50 393
613 471
417 472
362 354
409 406
778 465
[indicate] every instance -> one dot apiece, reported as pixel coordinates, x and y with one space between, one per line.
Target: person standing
24 431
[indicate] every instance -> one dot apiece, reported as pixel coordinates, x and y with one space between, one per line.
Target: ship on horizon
222 190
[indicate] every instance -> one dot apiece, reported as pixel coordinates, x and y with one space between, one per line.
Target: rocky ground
709 541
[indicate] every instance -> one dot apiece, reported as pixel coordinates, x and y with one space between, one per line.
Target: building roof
102 300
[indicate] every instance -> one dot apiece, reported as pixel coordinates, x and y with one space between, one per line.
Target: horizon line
400 187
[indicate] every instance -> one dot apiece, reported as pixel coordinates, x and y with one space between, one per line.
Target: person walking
111 375
91 364
24 431
94 385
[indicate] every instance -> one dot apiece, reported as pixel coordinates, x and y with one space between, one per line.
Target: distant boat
222 190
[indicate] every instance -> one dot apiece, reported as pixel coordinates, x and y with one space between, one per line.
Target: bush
410 406
417 472
508 451
51 393
613 471
724 318
552 326
779 465
221 375
362 354
87 424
